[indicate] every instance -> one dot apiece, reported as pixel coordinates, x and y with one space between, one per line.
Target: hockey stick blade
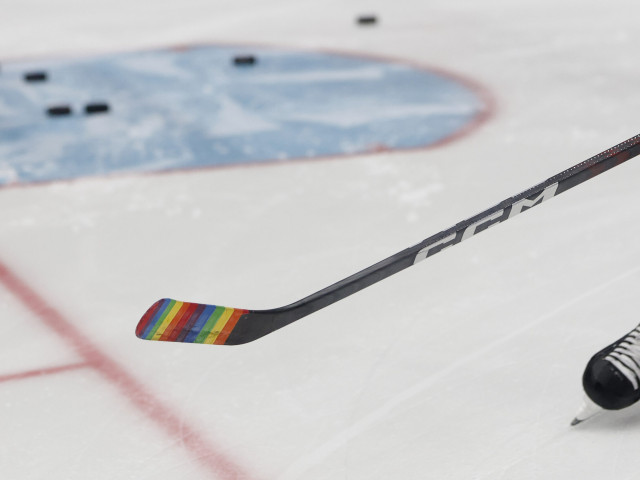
173 321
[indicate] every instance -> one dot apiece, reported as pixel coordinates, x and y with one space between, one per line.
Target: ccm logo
486 222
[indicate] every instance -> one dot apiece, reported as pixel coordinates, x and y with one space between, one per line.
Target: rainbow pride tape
172 321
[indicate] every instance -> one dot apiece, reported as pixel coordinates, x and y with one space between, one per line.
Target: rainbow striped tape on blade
173 321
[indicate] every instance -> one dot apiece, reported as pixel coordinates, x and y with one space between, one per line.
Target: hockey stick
173 321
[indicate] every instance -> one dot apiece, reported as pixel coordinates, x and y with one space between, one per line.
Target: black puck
35 76
367 20
59 110
96 107
244 60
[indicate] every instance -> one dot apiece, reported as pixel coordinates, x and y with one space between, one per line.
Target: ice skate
611 379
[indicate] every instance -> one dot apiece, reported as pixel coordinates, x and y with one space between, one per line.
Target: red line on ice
42 371
136 392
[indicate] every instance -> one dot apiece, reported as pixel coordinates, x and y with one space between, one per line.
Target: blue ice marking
194 108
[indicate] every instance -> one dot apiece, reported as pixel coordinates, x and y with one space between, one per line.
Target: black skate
611 379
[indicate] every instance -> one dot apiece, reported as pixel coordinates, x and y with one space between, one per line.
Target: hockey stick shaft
170 320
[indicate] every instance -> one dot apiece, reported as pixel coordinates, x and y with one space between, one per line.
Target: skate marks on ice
298 469
193 107
209 456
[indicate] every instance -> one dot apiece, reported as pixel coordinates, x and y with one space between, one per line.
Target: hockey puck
242 60
35 76
97 107
59 110
367 20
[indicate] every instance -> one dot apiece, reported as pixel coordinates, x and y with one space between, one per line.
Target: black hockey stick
173 321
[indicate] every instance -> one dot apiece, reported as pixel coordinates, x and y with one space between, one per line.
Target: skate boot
611 379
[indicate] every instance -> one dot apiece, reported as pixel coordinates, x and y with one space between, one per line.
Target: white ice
465 367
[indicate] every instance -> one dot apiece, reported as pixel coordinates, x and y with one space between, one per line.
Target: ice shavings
355 117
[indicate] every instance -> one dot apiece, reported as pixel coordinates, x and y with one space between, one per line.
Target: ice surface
466 366
292 104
